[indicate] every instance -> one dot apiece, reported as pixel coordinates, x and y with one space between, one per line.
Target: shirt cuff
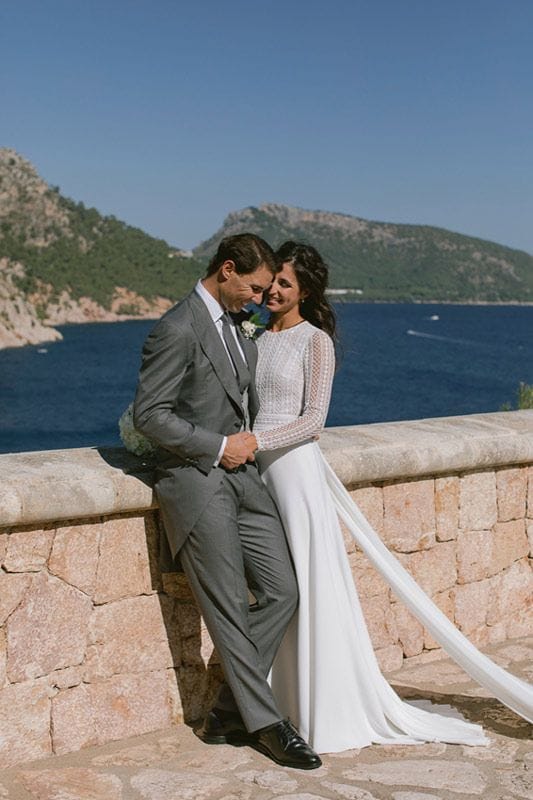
221 451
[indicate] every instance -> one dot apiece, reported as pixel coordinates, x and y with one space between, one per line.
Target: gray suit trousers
238 544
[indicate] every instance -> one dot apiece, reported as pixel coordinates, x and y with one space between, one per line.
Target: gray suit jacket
187 400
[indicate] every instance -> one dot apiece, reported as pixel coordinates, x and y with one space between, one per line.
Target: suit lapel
211 344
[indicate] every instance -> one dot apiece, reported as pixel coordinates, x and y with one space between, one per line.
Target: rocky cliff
61 262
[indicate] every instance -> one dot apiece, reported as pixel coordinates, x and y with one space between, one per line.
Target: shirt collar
216 311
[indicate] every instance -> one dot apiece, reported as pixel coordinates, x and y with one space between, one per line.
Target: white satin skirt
326 677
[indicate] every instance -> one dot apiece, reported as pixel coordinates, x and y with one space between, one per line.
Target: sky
171 114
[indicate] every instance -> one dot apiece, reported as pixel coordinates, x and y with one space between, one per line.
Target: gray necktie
241 368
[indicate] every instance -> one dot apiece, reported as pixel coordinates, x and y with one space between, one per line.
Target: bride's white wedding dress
326 676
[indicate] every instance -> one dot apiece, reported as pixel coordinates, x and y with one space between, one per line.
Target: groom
196 400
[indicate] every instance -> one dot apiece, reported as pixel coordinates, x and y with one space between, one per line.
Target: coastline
47 332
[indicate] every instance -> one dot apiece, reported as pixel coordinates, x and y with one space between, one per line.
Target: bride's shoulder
317 334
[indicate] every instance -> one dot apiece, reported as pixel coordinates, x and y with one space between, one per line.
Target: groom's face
237 290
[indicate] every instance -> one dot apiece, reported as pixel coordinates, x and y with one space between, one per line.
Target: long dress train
326 676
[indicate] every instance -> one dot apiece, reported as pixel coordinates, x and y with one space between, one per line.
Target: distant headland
62 262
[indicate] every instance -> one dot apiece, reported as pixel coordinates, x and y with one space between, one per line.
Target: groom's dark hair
247 251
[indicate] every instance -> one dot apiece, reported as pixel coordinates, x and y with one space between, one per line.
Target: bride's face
284 293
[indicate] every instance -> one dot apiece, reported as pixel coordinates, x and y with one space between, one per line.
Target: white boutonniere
251 327
132 440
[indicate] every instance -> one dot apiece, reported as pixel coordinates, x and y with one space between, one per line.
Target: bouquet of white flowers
132 440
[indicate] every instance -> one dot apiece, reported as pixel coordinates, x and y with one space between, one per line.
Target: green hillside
63 243
386 261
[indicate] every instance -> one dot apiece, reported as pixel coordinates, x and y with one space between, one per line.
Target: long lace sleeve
318 368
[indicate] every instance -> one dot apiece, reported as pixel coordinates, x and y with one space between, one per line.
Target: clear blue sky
171 114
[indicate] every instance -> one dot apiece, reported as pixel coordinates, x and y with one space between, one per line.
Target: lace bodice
294 376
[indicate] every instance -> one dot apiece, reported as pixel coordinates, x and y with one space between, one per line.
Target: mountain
62 262
387 261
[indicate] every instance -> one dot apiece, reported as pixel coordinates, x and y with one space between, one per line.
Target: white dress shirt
216 313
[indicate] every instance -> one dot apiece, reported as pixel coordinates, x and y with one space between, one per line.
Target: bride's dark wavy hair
312 275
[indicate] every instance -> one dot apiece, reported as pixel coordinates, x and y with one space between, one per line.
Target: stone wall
96 645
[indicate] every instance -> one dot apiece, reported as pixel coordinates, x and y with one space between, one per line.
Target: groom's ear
226 269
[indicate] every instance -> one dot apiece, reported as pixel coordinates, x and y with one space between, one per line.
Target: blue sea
396 361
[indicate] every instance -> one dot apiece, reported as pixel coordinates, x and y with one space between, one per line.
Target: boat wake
422 335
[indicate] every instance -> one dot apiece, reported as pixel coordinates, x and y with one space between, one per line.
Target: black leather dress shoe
223 727
284 745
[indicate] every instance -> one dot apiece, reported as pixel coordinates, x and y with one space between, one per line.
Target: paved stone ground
174 765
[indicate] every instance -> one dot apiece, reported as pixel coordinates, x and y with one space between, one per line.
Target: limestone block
414 796
123 566
174 698
272 779
380 622
497 751
3 657
74 556
153 530
444 601
510 543
454 776
434 570
128 705
3 547
477 501
199 649
188 620
497 633
73 722
25 717
159 784
390 658
48 629
349 541
511 485
480 637
474 556
28 551
70 783
410 630
530 537
471 604
13 587
121 706
66 678
369 500
347 791
520 624
177 585
447 507
511 592
368 581
11 502
519 783
127 636
198 688
530 492
409 517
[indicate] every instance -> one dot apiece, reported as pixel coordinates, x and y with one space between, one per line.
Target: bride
326 677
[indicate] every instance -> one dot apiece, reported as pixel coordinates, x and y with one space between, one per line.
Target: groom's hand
239 449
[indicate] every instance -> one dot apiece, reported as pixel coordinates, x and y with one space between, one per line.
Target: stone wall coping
388 451
48 486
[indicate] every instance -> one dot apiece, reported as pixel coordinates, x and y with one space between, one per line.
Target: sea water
395 361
